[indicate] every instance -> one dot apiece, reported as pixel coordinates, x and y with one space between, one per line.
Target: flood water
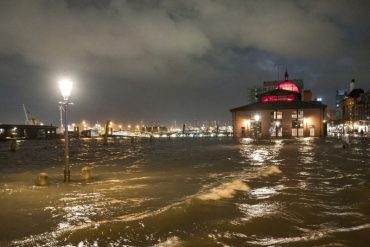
187 192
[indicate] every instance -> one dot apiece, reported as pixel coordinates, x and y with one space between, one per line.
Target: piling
106 132
13 145
43 179
86 173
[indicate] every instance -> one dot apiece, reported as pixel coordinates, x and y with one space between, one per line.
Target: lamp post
65 86
257 118
277 125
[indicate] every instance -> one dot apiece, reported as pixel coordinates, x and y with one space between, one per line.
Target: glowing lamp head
277 124
257 117
65 86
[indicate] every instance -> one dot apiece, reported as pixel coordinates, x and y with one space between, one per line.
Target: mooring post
13 145
106 132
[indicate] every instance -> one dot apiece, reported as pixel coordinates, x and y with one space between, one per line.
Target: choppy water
187 192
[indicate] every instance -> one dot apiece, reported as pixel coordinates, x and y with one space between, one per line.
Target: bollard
43 179
13 146
86 173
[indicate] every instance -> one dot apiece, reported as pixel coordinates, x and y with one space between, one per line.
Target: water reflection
198 192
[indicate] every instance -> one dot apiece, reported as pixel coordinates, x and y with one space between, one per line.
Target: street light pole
67 174
66 88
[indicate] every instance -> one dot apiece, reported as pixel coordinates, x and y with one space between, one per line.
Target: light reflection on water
193 192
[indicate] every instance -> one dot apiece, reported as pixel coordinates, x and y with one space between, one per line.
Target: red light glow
274 98
288 86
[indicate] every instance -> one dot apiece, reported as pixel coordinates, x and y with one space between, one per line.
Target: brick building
280 112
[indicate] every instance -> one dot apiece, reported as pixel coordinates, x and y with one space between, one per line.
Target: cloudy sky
182 60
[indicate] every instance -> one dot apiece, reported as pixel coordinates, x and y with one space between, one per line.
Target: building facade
280 112
354 106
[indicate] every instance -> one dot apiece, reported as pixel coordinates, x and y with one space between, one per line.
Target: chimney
307 95
352 85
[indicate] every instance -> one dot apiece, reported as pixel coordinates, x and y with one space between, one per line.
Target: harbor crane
29 119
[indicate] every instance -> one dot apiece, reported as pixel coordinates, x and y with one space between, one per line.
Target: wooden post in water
106 132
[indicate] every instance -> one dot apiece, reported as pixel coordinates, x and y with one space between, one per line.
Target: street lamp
257 118
277 125
65 86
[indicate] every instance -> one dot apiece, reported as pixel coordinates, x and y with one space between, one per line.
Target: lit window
277 114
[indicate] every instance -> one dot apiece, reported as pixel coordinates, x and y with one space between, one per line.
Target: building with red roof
280 112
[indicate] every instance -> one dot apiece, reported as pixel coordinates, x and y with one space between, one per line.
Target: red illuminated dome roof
288 86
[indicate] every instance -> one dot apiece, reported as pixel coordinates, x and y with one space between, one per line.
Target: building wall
314 118
239 118
353 110
366 100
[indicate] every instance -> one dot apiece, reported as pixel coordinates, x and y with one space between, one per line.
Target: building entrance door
312 131
300 132
243 132
294 132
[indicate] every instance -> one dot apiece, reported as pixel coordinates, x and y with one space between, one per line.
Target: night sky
171 60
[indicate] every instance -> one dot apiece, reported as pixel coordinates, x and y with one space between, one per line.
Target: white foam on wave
171 241
269 171
225 190
311 236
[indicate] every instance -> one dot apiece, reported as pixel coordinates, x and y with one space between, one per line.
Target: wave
311 236
225 190
269 171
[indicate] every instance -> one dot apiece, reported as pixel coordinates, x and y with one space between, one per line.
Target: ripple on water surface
195 192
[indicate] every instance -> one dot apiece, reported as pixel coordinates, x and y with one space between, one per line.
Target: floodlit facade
280 113
356 110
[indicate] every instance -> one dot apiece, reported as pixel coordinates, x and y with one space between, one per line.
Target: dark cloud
165 60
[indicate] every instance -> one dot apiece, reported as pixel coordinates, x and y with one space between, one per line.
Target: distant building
280 112
339 97
307 95
252 94
271 85
366 100
354 105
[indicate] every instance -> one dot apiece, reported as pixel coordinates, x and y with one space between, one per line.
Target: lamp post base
67 176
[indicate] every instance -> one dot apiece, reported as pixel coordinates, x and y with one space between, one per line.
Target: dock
23 131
